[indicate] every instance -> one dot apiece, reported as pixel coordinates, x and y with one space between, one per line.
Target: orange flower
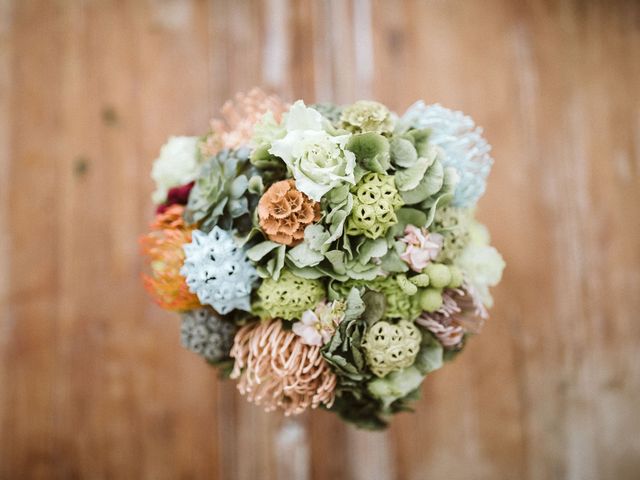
285 212
163 246
239 118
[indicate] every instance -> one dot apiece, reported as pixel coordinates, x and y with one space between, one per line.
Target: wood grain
93 382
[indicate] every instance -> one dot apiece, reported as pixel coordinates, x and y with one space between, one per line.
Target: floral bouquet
324 255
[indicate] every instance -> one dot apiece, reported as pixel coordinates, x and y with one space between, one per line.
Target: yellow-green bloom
375 200
289 296
367 116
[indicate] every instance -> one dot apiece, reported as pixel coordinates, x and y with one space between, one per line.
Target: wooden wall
93 381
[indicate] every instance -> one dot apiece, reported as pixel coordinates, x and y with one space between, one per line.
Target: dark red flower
176 196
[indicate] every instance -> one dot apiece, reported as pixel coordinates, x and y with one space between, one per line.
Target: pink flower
422 247
316 327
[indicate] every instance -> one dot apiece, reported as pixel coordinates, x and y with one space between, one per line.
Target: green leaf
238 186
305 256
316 236
430 356
420 138
256 186
443 199
238 207
261 158
396 385
409 178
355 306
403 153
392 263
371 150
257 252
429 184
372 249
376 304
274 265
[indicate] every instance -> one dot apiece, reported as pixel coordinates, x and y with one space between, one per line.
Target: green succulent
221 195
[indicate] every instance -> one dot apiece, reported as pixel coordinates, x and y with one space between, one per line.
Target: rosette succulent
219 196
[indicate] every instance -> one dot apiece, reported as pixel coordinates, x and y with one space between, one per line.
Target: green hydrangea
367 116
289 296
390 347
453 224
219 194
398 305
375 201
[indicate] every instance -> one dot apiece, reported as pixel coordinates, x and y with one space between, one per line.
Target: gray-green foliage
371 150
221 193
344 350
207 334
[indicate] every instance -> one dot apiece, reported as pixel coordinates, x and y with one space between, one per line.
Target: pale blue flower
465 148
218 271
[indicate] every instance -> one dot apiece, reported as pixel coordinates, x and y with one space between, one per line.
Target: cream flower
317 160
483 267
177 165
316 327
422 247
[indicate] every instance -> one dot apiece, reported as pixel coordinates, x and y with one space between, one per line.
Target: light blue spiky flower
465 148
218 272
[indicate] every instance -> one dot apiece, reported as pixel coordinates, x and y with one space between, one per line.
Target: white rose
176 165
318 161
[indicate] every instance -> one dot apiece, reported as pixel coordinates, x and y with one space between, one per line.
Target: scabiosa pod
375 201
391 347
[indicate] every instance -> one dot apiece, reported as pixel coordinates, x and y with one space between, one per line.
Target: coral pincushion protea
163 246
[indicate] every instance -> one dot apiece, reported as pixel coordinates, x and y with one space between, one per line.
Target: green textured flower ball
390 347
375 201
289 296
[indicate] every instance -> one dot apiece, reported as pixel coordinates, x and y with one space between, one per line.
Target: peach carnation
239 117
285 212
163 246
